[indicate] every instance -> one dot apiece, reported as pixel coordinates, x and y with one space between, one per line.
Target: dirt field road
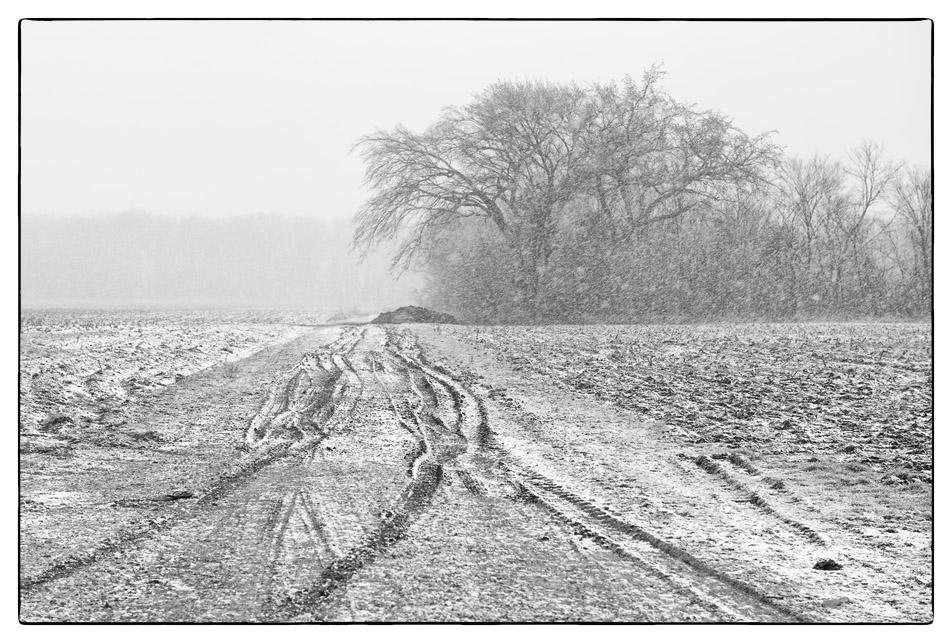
368 473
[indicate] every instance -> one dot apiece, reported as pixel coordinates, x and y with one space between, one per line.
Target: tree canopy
534 157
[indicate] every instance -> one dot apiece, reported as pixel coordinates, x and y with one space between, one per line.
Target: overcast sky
224 118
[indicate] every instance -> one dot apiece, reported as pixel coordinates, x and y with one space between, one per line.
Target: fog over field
140 259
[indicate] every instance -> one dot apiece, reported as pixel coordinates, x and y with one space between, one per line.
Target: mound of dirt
413 315
345 315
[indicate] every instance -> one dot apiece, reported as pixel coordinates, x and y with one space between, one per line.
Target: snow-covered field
860 391
826 427
80 369
248 466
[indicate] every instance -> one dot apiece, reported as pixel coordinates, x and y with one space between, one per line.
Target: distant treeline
253 260
615 202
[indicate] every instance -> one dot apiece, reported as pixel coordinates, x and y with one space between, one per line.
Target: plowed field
281 472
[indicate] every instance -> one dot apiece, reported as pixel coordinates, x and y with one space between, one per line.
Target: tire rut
303 400
714 588
709 465
426 473
302 566
277 431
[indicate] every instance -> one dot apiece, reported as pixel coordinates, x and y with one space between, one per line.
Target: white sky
225 118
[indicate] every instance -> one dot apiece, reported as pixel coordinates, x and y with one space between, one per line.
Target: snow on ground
80 369
861 391
761 449
820 433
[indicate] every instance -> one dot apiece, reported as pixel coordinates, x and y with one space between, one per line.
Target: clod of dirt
55 421
57 448
835 602
774 483
145 435
827 565
413 315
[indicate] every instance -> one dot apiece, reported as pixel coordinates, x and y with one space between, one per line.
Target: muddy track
719 602
755 483
729 596
437 444
711 466
296 506
435 418
302 401
297 566
147 528
323 405
732 598
302 408
754 490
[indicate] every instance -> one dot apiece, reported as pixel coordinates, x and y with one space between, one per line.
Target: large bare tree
510 158
527 156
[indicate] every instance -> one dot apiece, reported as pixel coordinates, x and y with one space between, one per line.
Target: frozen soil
839 455
427 473
79 371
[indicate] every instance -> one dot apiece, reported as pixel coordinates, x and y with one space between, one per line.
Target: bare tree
654 159
528 157
872 175
509 158
912 199
811 196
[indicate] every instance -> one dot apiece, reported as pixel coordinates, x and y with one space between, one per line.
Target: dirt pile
414 315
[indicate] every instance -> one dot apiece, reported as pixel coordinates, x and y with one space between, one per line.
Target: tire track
469 414
580 525
297 510
332 404
712 467
307 396
263 452
777 485
472 483
395 522
278 399
355 383
319 526
717 589
438 445
275 537
613 532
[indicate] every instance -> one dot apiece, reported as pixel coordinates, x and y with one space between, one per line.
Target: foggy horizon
259 260
341 220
